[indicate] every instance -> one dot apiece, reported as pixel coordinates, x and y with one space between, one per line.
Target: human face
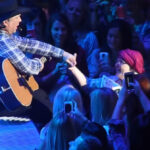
114 39
73 145
12 24
59 33
74 11
122 67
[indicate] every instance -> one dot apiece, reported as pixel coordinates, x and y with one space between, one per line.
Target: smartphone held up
104 56
69 106
129 78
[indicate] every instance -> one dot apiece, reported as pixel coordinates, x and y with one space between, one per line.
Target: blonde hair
103 102
67 93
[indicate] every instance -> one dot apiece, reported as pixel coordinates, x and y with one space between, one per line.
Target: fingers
75 56
69 58
42 65
69 62
72 60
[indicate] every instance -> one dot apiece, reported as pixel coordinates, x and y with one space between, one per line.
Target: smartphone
104 56
69 106
129 78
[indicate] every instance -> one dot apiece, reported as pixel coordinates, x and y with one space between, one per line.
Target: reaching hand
69 58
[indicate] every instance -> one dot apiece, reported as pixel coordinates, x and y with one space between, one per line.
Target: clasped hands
67 63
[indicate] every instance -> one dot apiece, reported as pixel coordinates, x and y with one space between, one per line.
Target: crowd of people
94 43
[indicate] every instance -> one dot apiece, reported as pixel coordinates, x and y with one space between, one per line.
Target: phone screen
129 78
103 56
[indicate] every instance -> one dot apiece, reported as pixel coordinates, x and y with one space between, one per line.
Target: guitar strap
22 82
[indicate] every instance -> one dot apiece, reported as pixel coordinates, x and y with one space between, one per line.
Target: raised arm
145 102
80 77
44 49
24 64
118 110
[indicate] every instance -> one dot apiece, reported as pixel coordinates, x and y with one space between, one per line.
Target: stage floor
18 134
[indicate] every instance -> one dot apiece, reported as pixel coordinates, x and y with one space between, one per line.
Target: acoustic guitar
17 89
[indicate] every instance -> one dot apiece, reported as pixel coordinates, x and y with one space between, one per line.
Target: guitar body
16 92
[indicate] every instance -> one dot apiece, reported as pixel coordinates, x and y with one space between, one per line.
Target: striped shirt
13 48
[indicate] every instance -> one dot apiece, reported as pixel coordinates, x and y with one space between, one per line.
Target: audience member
117 135
98 131
103 101
87 143
77 14
62 129
130 104
67 94
128 61
59 33
55 73
118 37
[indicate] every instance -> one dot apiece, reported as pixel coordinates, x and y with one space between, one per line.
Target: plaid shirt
12 47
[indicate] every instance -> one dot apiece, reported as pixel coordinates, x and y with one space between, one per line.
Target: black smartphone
68 106
129 78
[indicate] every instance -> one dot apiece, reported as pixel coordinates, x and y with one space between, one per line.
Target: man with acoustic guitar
13 47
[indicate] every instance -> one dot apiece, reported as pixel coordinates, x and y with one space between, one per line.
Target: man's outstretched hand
69 58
